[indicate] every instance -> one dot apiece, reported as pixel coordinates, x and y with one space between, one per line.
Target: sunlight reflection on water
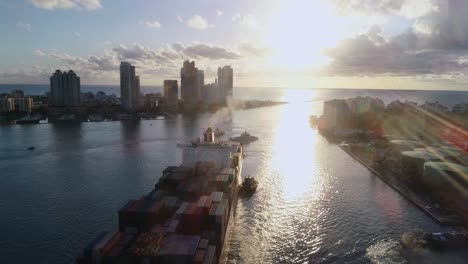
314 203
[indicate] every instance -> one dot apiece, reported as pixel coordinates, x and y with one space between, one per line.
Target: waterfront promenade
391 176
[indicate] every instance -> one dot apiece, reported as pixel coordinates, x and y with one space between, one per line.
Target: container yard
186 218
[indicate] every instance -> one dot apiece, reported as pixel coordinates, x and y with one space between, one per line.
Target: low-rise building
449 180
24 104
412 162
435 107
7 104
396 147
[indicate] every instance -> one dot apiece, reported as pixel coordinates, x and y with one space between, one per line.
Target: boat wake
387 251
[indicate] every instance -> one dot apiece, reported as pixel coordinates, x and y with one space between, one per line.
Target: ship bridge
209 149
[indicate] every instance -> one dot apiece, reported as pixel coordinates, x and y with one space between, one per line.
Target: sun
301 31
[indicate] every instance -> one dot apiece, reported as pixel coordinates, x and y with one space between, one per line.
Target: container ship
186 218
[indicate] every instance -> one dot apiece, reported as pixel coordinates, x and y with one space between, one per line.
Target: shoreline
408 194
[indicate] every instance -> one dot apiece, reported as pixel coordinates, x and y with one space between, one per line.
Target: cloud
209 52
140 53
153 24
371 54
370 6
197 22
24 25
435 45
247 20
104 63
179 18
39 53
176 51
77 34
406 8
153 64
67 4
251 49
219 12
32 74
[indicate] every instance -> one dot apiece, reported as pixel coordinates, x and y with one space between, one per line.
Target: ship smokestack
208 135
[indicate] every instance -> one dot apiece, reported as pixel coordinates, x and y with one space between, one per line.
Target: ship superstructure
186 218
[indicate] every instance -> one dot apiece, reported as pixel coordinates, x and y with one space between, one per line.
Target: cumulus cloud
371 54
164 61
219 12
39 52
209 52
31 74
435 45
370 6
255 50
67 4
247 20
137 52
197 22
153 24
407 8
25 26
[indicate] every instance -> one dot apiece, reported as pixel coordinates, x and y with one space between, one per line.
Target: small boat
29 119
436 241
244 138
445 240
31 148
95 118
248 187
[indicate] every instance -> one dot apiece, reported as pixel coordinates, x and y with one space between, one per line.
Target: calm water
314 203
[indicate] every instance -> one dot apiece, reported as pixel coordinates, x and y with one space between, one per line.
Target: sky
388 44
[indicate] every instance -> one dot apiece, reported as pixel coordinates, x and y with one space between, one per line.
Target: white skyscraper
189 85
225 82
129 86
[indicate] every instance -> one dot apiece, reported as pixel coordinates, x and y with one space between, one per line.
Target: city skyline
325 44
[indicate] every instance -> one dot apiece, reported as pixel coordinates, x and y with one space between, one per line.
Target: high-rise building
137 91
24 104
129 86
7 104
65 89
189 85
171 92
225 82
210 93
201 83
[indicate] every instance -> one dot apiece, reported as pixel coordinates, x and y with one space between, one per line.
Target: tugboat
244 138
248 187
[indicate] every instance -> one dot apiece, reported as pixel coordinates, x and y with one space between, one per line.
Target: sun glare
288 162
300 33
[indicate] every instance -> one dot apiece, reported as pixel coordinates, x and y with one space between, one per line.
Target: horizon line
279 87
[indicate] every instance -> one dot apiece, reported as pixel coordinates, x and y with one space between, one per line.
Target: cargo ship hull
186 218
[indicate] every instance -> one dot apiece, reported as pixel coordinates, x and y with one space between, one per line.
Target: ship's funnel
208 136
